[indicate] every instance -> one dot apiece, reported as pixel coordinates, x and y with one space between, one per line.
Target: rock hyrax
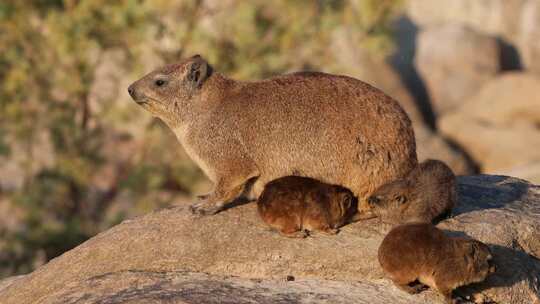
336 129
427 193
295 205
419 252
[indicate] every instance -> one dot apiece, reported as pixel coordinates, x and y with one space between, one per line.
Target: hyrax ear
346 201
344 204
198 71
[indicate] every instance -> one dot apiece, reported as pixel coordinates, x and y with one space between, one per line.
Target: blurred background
77 155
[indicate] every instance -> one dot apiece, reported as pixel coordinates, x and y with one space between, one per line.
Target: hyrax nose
131 91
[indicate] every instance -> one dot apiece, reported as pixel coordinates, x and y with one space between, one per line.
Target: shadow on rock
516 270
488 192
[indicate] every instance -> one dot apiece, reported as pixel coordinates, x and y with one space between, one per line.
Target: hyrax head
390 198
479 260
167 92
343 205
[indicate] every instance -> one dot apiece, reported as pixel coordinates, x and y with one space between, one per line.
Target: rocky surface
500 124
161 257
454 61
185 287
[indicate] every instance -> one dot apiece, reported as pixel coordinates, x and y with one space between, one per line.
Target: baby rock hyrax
336 129
427 193
294 205
419 252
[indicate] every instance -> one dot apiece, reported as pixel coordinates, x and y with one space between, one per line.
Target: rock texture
161 257
500 125
454 61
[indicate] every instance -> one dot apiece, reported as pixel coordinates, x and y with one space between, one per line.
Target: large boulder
182 287
162 256
516 22
529 35
498 17
499 125
454 61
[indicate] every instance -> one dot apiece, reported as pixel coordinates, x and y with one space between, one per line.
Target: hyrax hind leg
229 186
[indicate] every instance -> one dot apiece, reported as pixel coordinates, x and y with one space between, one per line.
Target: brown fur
425 194
336 129
294 205
421 252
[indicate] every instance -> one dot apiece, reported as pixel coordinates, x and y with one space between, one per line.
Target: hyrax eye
159 82
373 200
401 199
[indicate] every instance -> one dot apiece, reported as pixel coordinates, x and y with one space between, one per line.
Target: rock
494 148
150 258
499 125
185 287
510 225
516 22
495 17
528 41
5 283
454 61
529 171
510 99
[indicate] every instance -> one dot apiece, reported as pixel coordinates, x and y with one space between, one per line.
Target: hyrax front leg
231 175
224 192
230 184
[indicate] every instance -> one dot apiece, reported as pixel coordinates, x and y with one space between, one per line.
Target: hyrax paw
202 209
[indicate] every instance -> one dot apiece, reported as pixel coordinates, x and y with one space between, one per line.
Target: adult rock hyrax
427 193
295 206
336 129
422 254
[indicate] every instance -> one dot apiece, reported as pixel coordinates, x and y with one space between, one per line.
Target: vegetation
75 155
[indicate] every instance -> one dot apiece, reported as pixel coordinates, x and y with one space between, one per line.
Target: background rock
501 211
515 22
498 126
454 61
529 35
489 16
510 99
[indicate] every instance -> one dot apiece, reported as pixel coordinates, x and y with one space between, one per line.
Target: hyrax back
421 252
336 129
295 204
425 194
